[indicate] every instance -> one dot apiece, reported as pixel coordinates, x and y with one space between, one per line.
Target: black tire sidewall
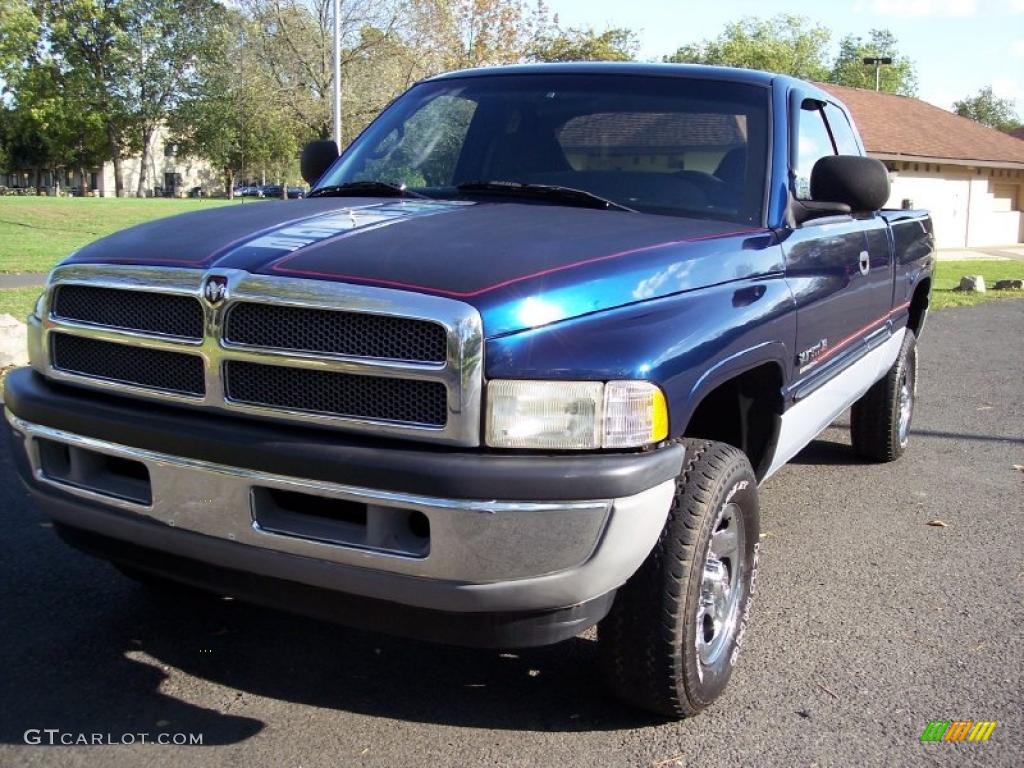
738 485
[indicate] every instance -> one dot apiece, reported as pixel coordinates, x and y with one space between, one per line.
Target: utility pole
878 61
337 73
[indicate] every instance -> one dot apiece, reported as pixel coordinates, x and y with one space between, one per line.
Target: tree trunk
229 180
115 157
284 190
147 138
39 180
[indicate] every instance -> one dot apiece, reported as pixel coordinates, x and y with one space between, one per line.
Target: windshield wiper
357 188
545 191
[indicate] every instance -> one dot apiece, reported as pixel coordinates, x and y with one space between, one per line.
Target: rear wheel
880 420
670 641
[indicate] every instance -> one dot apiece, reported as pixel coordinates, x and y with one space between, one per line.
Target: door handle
865 262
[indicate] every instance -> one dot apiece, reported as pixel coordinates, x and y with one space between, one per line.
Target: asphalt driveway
869 624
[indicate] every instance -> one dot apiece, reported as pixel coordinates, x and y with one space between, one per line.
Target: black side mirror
843 184
860 182
317 157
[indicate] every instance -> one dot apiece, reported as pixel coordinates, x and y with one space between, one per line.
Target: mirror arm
805 210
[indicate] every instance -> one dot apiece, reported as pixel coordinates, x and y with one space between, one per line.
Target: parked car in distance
196 192
517 366
274 191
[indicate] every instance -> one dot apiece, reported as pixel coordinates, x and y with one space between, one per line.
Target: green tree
231 115
617 44
165 42
849 68
293 39
988 109
19 39
90 39
787 44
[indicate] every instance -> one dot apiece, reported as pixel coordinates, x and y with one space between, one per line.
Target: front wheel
673 635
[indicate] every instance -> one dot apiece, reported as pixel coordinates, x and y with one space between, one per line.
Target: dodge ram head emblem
215 289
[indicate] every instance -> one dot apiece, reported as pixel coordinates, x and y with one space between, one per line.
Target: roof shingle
900 125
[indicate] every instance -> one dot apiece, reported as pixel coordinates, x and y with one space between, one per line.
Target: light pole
337 73
878 61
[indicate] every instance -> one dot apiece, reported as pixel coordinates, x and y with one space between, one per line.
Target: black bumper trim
322 454
486 630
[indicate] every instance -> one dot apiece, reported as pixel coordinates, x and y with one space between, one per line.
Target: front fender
687 343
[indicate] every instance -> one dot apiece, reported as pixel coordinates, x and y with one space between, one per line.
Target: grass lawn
948 274
19 301
37 232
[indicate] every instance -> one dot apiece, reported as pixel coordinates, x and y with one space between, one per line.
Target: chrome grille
357 334
131 310
171 371
341 394
359 358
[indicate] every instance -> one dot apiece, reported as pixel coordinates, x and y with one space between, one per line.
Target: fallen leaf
533 672
937 524
365 751
984 408
1019 467
767 535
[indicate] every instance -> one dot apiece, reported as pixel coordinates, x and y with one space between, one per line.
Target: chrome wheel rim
718 603
906 407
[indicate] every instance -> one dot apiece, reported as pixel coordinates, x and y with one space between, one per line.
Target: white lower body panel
812 415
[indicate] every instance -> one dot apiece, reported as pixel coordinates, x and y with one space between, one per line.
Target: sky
958 46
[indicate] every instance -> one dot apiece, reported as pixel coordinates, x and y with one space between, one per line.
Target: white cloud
910 8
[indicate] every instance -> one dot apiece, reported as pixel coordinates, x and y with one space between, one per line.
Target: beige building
167 175
970 176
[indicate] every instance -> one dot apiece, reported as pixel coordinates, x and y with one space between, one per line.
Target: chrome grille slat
377 360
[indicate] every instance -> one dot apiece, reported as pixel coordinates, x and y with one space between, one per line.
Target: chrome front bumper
472 555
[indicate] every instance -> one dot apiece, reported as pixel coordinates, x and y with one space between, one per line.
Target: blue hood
521 264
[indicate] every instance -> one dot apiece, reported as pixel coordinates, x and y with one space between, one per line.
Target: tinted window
423 150
842 133
813 143
660 145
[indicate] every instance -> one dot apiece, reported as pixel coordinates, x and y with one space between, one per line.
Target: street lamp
337 73
878 61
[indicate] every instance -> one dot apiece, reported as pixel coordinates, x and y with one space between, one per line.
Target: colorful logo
958 730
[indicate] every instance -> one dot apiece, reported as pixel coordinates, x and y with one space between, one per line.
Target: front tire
670 641
880 420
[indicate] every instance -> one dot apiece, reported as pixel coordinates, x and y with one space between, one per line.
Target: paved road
870 623
22 280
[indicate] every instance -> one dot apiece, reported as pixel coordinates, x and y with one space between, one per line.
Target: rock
1009 285
13 342
972 284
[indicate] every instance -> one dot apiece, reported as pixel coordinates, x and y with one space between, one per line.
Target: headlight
574 415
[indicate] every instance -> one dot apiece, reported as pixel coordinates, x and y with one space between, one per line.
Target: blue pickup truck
516 367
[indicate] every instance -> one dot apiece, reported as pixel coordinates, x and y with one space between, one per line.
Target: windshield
665 145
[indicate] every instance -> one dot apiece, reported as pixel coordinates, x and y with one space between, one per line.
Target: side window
842 132
813 143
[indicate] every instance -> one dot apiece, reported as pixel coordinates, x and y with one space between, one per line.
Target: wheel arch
919 306
740 402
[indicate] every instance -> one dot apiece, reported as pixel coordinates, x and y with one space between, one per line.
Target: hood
520 264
